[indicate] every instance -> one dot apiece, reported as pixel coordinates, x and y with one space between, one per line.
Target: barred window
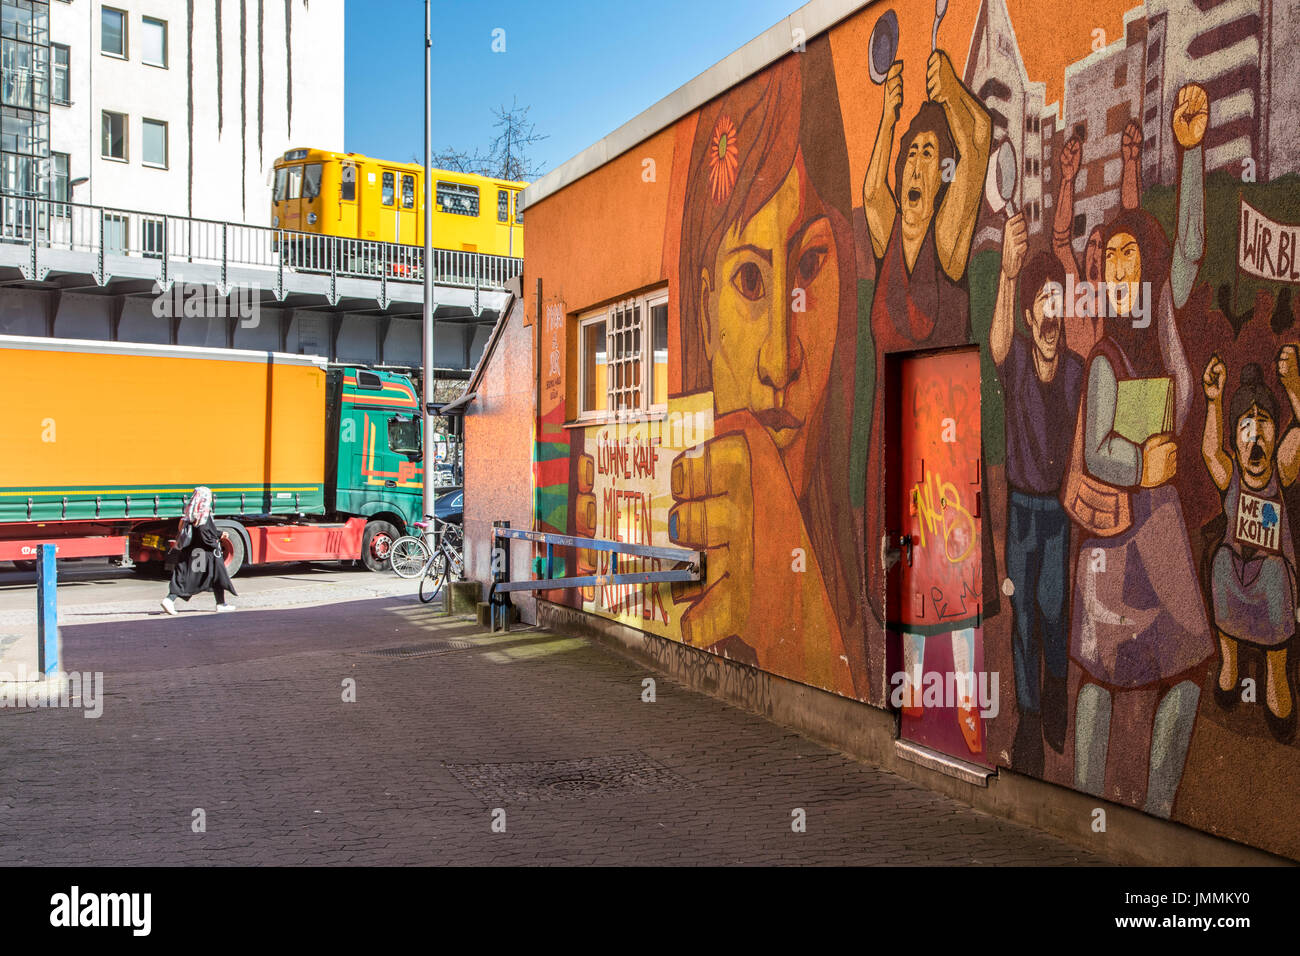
624 357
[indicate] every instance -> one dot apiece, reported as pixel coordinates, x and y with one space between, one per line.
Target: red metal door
940 685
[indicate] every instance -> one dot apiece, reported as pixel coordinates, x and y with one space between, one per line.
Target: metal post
429 325
47 611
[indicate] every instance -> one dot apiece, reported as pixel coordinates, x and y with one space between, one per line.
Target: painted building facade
1034 493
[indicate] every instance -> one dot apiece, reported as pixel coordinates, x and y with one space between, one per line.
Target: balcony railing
47 224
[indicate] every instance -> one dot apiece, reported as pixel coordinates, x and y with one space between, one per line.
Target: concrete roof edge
814 18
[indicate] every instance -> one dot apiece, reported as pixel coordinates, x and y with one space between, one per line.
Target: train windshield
311 181
295 182
281 192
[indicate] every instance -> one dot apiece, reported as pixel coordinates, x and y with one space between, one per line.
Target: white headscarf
200 507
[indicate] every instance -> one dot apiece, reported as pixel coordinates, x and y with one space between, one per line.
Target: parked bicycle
412 556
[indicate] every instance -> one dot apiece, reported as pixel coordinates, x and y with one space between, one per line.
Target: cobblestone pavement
243 716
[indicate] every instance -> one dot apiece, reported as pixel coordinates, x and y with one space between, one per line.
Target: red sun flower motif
724 159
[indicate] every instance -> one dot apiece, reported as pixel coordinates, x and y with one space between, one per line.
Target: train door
940 685
348 216
293 214
407 216
388 230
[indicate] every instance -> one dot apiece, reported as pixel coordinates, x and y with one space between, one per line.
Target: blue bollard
47 610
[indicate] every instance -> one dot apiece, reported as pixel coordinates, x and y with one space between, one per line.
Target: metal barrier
44 224
501 583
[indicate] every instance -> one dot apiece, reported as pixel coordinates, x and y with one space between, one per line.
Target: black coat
200 566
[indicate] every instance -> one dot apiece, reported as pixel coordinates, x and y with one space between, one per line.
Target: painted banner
1266 248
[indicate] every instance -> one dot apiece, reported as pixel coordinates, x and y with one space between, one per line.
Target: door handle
890 543
389 483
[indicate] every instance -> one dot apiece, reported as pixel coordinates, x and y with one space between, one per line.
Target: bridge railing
45 224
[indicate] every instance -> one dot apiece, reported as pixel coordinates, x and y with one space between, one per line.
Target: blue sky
585 67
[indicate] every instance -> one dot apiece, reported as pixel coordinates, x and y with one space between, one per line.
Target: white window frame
167 146
166 52
599 317
648 374
126 137
126 33
606 315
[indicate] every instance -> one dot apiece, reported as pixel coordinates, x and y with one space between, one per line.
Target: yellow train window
348 183
458 198
519 210
388 195
503 205
311 181
408 192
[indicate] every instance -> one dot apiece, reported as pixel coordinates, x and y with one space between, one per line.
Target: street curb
868 734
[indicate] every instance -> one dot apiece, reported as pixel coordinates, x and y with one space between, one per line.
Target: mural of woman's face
771 311
1123 272
920 183
1254 442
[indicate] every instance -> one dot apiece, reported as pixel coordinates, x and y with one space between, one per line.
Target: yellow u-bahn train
354 196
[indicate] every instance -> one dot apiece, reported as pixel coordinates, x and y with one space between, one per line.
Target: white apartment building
181 107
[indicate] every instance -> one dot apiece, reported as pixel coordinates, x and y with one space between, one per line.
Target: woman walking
200 565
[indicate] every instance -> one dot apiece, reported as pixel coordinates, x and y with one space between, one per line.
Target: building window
1121 75
1153 84
60 81
151 238
408 191
1153 51
26 132
503 205
1081 131
658 378
112 32
59 188
389 190
154 39
113 141
624 357
153 144
115 233
458 198
594 372
1080 225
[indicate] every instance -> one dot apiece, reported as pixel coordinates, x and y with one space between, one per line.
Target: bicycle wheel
435 577
408 555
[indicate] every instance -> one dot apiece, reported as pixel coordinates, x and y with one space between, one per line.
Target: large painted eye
748 280
810 263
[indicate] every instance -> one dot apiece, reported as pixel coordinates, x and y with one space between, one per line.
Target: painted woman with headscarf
200 565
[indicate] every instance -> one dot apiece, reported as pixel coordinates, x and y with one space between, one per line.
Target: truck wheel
376 542
232 546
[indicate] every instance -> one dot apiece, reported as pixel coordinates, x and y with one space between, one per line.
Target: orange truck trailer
103 442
